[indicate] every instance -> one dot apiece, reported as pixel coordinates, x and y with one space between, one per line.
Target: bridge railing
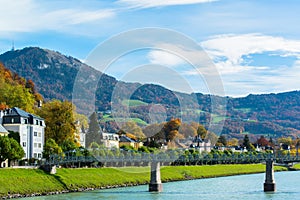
169 157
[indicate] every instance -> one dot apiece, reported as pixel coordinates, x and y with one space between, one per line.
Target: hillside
54 75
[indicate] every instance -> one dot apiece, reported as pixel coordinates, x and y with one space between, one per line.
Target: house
110 140
30 127
124 140
201 145
3 132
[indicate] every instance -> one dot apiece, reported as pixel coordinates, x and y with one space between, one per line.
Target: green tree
93 134
222 140
16 152
68 145
247 144
14 135
5 148
10 149
59 117
51 147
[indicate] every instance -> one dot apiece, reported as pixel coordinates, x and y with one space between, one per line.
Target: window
39 134
24 144
35 155
39 155
41 123
25 121
35 133
35 145
37 122
39 145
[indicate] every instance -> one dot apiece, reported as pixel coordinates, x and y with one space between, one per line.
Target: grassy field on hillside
28 181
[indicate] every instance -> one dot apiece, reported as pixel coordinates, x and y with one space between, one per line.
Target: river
223 188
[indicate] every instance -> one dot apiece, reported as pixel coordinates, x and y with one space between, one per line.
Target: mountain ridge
273 114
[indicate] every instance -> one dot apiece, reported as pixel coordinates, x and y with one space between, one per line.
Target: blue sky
254 44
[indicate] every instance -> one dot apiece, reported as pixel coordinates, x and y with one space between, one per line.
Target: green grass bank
21 182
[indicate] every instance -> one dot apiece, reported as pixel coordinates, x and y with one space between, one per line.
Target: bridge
119 158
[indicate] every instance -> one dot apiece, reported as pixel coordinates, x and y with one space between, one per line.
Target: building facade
30 127
110 140
3 132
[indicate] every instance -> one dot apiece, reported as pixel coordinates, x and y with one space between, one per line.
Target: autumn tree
262 141
16 91
187 130
93 134
133 128
152 129
59 117
169 130
233 142
212 137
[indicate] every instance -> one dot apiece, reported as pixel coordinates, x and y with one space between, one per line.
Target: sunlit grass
27 181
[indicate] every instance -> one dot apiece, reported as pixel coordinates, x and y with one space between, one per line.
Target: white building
30 127
110 140
3 132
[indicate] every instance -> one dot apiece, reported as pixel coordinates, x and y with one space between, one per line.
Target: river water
224 188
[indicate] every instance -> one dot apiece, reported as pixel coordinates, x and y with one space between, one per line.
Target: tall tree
59 117
202 132
93 134
247 143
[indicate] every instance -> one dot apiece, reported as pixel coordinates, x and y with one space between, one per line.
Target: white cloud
234 47
164 58
160 3
30 16
239 77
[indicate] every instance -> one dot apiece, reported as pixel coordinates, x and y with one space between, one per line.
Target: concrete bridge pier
269 185
155 180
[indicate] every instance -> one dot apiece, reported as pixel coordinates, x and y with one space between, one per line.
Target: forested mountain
54 75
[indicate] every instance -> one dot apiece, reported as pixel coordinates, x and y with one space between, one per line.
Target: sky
253 45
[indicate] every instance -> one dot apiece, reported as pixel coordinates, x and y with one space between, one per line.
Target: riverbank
33 182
